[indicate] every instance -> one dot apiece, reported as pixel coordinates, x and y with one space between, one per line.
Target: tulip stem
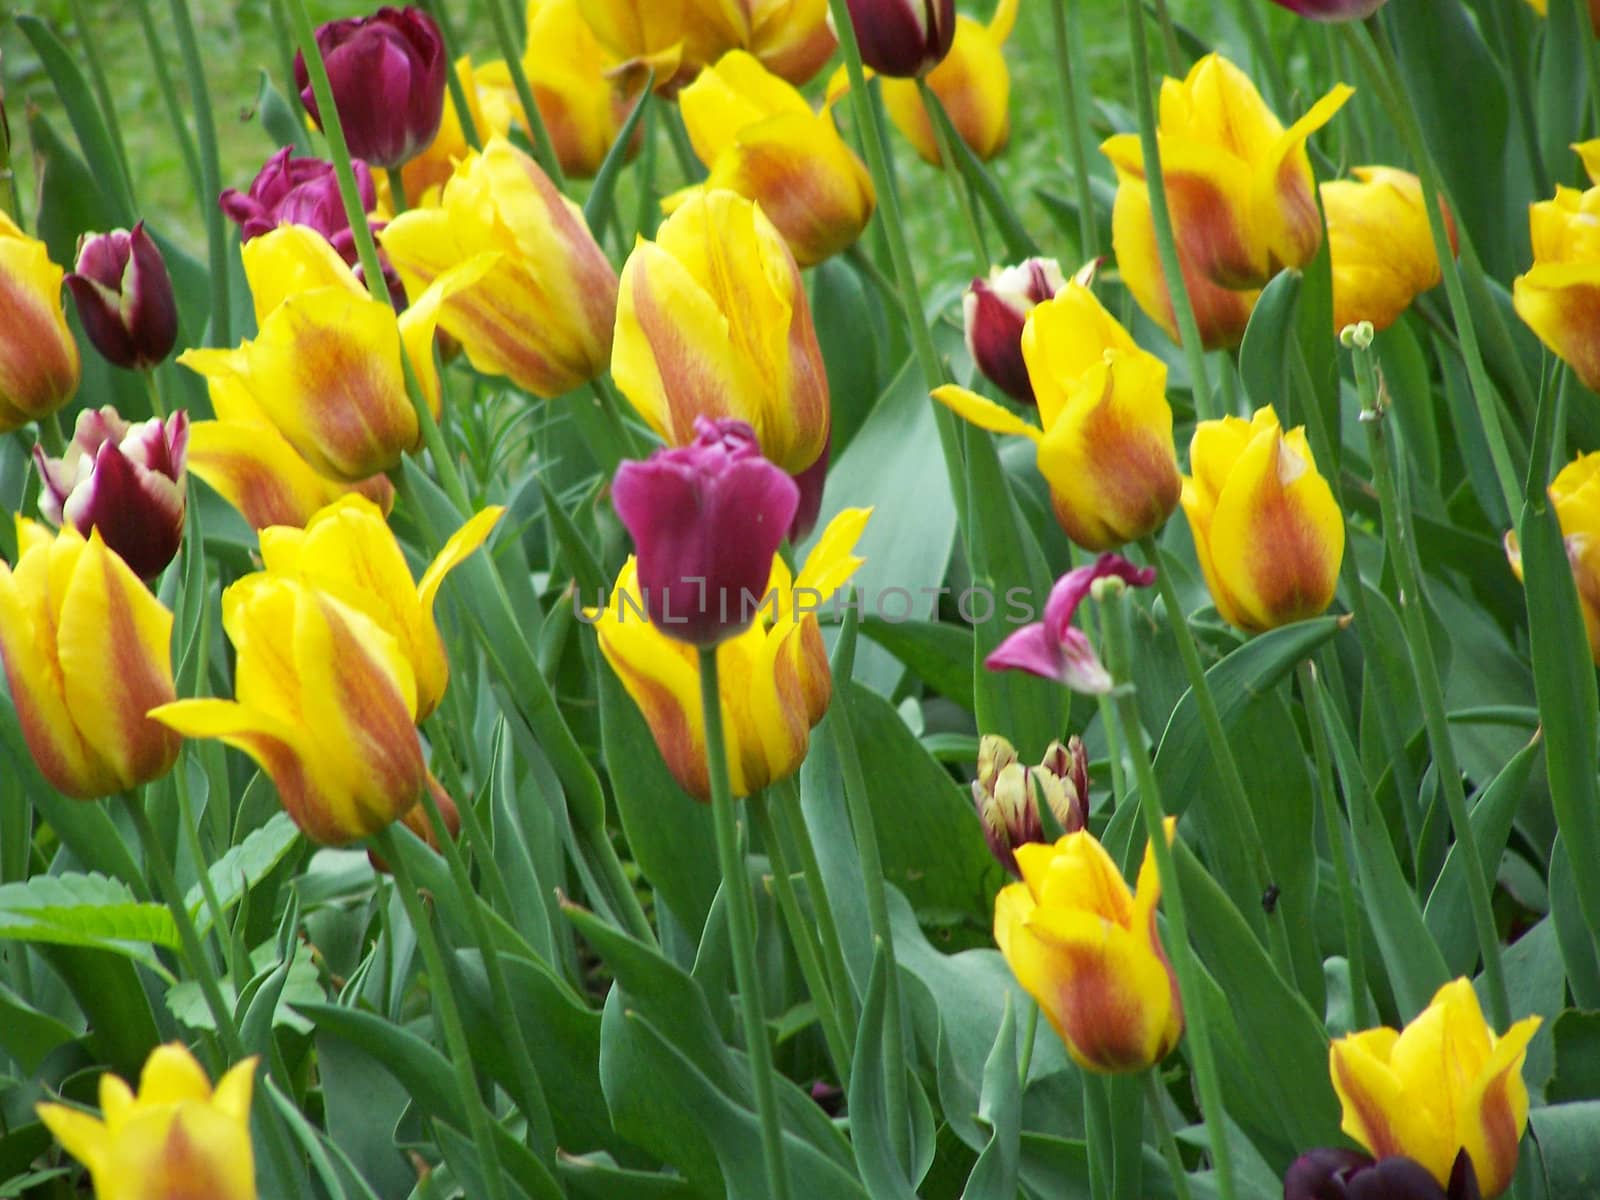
1184 965
50 435
1205 404
1517 64
169 97
398 200
944 135
611 439
543 150
205 127
153 390
794 822
479 1120
108 107
1169 39
1074 126
742 930
1154 1097
1413 600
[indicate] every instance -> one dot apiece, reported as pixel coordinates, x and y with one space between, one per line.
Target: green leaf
280 987
1559 88
28 1035
1001 1108
279 118
1019 245
1054 1167
848 320
596 1179
599 208
108 990
1577 1054
938 652
871 1136
84 910
1566 1135
1263 358
1577 945
243 866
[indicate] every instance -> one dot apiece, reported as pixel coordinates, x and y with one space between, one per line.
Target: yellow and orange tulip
1575 493
759 138
1086 949
1443 1084
713 321
1104 443
176 1137
1380 243
774 676
1267 531
791 37
542 313
38 357
673 38
86 652
1559 296
972 84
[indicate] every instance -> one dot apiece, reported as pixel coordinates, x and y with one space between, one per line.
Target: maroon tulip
388 76
1332 1174
903 38
125 480
299 191
1333 10
994 311
706 519
124 297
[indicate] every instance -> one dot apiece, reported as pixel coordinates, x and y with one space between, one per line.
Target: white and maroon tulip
125 299
994 311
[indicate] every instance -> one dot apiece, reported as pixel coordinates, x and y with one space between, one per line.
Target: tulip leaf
1578 951
853 334
591 1177
1001 1109
27 1034
1577 1054
1055 1167
112 997
600 207
1019 244
1264 354
940 653
871 1135
279 118
1566 1135
1560 93
1406 374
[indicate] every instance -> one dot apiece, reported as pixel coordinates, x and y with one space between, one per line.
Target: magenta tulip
1052 648
1333 10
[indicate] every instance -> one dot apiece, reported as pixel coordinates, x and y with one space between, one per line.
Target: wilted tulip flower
994 311
388 77
972 83
176 1137
1053 648
1105 446
326 704
773 676
712 321
125 480
1086 950
1240 189
1334 1174
87 652
759 138
38 356
1380 243
1267 531
1557 296
1006 793
903 38
124 298
542 312
1575 493
1333 10
706 519
1443 1084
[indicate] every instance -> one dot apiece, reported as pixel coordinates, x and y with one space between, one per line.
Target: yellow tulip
759 138
712 321
1575 492
673 38
1380 243
177 1137
542 314
38 356
430 170
348 551
87 654
1105 446
774 676
1559 296
972 83
1443 1084
1267 531
791 37
326 705
1086 949
1239 186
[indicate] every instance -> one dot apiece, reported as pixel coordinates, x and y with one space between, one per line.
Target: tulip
124 298
1380 244
773 677
388 76
1086 950
712 321
348 551
1267 531
326 704
1240 189
1004 794
706 519
1443 1084
903 38
1052 648
1559 295
1333 10
87 653
542 312
1105 447
1334 1174
125 480
759 138
972 84
177 1137
673 39
994 311
299 191
791 37
430 170
38 356
1575 493
811 482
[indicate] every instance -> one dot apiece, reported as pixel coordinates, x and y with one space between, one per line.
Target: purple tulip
299 191
388 77
1333 10
125 480
903 38
124 297
706 519
994 311
1052 648
811 482
1333 1174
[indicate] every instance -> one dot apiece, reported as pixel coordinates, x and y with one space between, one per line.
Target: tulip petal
39 362
1560 302
81 1135
983 412
261 475
292 259
1494 1109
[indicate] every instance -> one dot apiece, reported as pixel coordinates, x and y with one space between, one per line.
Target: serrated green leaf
243 866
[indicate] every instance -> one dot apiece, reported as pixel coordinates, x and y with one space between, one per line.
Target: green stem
1169 39
1398 537
452 77
210 172
793 821
191 835
611 439
885 286
479 1121
1074 125
398 200
944 135
1169 1144
543 150
1521 88
1205 404
153 390
742 930
102 92
50 435
174 107
1097 1135
689 165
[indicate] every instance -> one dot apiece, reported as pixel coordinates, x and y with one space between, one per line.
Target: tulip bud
124 297
38 356
903 38
299 191
973 85
417 820
388 77
1380 243
1063 776
176 1137
1054 649
1556 296
1338 1174
706 519
1006 794
1333 10
125 480
1575 495
994 311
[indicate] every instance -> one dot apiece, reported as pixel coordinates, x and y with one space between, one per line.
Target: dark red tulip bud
1337 1174
903 38
994 311
124 297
